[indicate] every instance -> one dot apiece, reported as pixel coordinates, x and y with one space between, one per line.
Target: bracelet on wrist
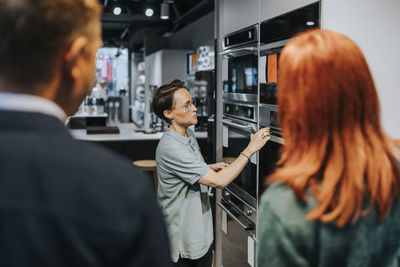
244 155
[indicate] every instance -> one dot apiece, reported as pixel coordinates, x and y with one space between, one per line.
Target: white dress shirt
30 103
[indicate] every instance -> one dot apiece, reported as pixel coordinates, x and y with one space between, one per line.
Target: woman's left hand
218 166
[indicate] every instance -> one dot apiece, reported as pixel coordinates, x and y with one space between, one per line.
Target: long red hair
330 118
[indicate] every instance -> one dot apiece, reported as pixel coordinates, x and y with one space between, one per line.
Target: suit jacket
65 202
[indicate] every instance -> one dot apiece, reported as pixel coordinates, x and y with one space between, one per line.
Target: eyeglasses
187 107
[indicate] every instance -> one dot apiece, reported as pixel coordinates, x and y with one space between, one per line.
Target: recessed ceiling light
117 10
149 12
310 23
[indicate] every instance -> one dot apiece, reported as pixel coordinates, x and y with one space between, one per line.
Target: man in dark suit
63 202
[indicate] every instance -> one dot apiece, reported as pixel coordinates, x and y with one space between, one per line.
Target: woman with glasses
184 176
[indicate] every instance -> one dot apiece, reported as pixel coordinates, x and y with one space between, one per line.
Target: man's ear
168 114
75 52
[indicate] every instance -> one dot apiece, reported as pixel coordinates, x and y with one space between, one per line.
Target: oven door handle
247 128
239 51
276 137
247 227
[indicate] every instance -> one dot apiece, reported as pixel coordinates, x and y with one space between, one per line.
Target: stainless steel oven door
238 231
236 136
268 158
270 153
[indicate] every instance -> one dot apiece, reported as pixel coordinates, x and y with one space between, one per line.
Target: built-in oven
236 136
240 50
274 34
238 231
238 203
289 24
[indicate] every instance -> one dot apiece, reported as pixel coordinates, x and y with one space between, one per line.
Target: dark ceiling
130 27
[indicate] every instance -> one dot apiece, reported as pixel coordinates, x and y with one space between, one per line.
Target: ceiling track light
117 10
149 12
164 14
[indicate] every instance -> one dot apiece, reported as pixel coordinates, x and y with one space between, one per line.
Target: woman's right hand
259 139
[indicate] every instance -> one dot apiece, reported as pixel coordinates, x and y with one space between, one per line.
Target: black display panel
268 93
244 36
289 24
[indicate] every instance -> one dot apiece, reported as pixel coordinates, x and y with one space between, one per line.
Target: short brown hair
34 35
163 98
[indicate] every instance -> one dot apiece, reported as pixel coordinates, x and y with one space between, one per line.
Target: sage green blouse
184 202
287 239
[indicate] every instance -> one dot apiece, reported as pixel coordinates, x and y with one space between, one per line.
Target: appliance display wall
248 110
240 105
274 34
239 199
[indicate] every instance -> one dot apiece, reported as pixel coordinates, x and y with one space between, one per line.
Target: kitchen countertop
127 133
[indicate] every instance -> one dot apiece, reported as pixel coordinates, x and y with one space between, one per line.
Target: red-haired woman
334 200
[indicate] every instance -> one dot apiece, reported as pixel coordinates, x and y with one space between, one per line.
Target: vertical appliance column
274 34
237 205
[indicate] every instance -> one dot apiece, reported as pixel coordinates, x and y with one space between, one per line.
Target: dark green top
287 239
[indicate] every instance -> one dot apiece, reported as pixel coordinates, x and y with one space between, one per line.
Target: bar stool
148 165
